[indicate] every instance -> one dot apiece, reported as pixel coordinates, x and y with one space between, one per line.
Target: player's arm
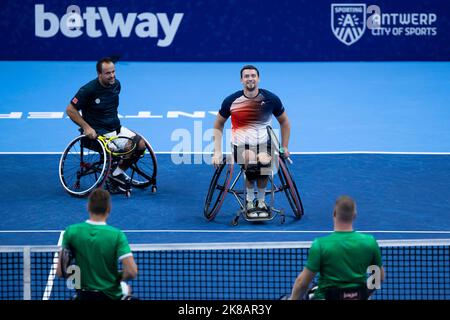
218 133
301 284
285 131
75 116
129 268
58 266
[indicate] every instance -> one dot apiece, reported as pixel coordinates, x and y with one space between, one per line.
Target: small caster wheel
235 222
282 219
154 188
128 193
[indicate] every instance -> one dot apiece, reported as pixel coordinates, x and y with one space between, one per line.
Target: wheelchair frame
106 162
286 183
241 196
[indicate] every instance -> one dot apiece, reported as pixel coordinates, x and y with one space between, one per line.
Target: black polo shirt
99 105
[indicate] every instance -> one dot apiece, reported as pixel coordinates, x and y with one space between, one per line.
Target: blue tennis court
389 151
383 140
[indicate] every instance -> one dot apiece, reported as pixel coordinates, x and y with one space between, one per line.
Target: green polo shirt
97 248
342 259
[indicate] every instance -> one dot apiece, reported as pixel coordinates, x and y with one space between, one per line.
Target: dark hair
103 60
345 209
99 201
249 67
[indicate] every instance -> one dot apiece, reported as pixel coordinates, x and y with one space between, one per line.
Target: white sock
261 194
250 194
117 172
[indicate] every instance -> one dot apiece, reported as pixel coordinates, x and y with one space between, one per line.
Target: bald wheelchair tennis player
342 260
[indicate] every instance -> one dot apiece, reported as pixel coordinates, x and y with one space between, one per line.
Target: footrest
258 215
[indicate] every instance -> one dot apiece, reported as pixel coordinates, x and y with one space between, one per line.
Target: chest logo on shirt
262 105
97 101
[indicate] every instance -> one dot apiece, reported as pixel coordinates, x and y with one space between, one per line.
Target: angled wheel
144 170
290 189
218 189
83 166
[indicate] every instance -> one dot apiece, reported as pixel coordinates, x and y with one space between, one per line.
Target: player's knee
140 143
264 159
249 157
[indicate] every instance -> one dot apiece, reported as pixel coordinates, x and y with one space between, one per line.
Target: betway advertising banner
220 30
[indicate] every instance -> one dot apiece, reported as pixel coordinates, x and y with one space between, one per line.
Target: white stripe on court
291 152
52 274
243 231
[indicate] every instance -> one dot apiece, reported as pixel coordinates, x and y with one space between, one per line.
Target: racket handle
289 160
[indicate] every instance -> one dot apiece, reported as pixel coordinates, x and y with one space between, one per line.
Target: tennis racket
118 145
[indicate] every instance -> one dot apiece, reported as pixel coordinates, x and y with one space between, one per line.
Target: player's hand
217 159
285 152
90 133
126 288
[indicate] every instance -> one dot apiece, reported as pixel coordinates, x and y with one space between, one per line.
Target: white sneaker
262 205
263 213
252 214
250 210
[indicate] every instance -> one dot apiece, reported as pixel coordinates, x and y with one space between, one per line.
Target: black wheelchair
87 164
223 183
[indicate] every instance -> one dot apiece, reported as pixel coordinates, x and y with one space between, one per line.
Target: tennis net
415 269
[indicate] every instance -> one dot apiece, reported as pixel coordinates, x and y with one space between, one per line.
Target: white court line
241 231
291 152
52 274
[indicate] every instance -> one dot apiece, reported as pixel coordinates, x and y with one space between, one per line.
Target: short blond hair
99 201
345 209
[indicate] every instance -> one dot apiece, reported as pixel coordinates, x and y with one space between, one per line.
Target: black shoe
115 188
121 179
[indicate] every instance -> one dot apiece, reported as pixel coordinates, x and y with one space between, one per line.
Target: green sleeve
377 255
123 246
66 238
313 263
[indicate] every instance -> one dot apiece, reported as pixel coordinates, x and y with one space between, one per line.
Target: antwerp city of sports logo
348 21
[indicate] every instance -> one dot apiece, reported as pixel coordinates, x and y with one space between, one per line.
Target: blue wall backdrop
251 30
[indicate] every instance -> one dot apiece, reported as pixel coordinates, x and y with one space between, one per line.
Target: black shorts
238 150
92 296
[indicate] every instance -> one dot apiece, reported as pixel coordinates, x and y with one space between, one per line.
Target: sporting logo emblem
348 21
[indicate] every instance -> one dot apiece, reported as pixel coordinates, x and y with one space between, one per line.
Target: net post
26 273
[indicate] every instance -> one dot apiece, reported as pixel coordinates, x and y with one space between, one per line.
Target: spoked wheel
83 166
290 189
218 189
143 171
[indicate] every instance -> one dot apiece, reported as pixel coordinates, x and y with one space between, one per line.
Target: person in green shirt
341 259
97 249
